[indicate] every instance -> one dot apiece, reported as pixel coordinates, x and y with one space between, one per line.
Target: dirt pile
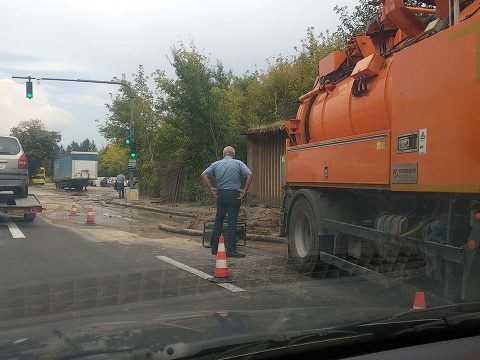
259 220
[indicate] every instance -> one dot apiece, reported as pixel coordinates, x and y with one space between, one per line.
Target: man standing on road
121 185
228 174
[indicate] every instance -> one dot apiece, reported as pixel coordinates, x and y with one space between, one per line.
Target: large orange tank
399 114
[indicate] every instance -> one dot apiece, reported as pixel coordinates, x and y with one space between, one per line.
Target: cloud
19 62
40 66
88 100
15 107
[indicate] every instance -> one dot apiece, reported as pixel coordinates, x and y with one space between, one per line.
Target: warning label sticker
422 141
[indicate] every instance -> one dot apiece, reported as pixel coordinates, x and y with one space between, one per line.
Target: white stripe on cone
221 264
90 216
221 247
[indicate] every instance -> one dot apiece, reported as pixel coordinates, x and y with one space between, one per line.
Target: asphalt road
60 266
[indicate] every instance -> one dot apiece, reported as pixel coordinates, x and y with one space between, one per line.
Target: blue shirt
121 179
228 173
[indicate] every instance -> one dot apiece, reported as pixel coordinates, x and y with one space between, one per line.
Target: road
59 264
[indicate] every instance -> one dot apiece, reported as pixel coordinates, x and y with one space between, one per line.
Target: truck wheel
303 236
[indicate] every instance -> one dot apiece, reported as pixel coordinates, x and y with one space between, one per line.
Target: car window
9 146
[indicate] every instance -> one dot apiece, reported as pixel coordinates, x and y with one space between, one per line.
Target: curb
254 237
154 209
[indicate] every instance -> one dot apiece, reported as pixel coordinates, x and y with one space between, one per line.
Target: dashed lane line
199 273
14 230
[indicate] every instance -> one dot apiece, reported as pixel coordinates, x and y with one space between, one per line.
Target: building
265 154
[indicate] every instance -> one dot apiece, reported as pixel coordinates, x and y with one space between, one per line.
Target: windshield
221 178
9 146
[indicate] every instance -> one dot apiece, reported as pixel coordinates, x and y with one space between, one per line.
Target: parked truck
74 170
383 158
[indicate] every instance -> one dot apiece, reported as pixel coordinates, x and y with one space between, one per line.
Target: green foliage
186 121
356 22
40 145
85 145
113 160
366 12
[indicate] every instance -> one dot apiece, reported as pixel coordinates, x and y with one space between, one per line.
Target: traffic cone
419 301
90 216
221 270
74 210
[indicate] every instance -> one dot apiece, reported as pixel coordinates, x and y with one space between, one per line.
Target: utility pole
130 92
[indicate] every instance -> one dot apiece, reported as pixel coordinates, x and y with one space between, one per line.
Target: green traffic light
133 156
128 141
29 88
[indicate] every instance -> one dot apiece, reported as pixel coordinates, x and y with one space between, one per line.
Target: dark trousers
227 203
121 191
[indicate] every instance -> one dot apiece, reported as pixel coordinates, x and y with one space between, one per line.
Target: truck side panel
362 160
437 88
84 169
85 165
62 167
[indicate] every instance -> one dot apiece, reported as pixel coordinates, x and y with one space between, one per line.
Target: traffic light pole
124 84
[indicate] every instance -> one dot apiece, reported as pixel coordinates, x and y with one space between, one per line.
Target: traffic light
128 141
29 90
133 151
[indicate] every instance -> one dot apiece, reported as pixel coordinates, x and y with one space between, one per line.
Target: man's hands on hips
214 192
243 193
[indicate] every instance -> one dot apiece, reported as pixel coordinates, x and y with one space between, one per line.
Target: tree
366 12
40 145
186 121
193 111
113 160
147 124
85 145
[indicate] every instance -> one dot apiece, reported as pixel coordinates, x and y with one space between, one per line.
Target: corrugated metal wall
264 159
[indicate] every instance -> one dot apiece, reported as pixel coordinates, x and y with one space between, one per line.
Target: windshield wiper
86 353
461 321
313 340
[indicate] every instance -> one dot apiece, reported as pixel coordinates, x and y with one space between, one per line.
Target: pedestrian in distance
228 174
121 185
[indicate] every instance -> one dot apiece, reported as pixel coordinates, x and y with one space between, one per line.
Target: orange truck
382 163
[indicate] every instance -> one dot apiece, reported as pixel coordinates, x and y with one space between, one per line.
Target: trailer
75 169
20 208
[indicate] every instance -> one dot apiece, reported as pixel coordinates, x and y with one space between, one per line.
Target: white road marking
19 341
14 230
199 273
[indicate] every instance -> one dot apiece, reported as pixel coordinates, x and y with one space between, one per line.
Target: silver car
13 167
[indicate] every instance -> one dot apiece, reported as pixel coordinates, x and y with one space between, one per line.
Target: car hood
178 333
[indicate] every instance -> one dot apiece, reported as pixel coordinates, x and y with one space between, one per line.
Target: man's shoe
236 254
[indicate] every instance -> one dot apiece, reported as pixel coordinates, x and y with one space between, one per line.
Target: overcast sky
105 38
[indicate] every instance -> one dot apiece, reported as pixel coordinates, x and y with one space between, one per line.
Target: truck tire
303 235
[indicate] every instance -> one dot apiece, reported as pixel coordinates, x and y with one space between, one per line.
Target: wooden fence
266 149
